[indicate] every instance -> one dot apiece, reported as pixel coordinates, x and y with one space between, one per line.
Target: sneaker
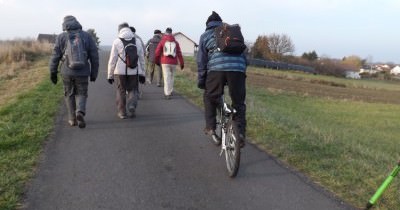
158 85
72 122
211 132
81 120
122 116
167 97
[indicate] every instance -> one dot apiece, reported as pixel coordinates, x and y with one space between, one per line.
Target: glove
53 77
92 79
182 66
201 85
111 81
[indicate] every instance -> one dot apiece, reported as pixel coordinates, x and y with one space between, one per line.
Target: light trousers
168 75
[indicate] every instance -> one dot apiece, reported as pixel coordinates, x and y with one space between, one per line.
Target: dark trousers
236 82
75 94
127 92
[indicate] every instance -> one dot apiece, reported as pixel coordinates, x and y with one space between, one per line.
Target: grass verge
24 125
349 147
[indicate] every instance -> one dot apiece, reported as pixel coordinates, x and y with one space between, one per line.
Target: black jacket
91 69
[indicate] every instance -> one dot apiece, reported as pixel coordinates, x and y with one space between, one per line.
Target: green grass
24 125
351 83
346 146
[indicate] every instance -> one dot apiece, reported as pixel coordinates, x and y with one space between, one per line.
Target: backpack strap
126 42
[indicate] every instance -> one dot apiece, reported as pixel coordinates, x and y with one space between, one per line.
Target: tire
232 152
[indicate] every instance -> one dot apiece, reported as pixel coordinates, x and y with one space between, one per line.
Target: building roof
51 38
177 33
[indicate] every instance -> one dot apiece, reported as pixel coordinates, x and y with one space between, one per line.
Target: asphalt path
159 160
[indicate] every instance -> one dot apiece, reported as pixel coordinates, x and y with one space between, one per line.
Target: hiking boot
81 120
242 140
167 97
132 111
158 85
72 122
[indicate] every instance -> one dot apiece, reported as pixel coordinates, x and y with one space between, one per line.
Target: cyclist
215 69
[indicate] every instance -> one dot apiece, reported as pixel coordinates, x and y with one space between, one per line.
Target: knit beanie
157 31
168 30
123 25
213 17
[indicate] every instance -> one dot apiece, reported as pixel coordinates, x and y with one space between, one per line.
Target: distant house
187 45
50 38
353 75
370 71
395 70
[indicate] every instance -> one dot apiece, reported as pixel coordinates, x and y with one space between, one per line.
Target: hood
156 38
70 23
126 33
213 24
169 37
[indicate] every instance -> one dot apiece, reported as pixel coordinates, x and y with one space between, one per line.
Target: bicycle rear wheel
232 152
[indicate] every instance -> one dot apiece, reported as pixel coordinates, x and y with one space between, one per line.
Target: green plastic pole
383 187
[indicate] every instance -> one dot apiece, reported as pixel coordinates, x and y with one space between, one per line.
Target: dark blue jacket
91 69
208 59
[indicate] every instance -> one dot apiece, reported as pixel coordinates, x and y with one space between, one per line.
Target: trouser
152 69
215 82
75 94
168 74
127 92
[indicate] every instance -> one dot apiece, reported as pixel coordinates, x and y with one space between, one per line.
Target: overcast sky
333 28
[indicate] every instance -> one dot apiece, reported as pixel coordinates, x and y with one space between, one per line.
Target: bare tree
279 45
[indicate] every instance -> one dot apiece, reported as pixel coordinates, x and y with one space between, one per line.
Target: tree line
280 48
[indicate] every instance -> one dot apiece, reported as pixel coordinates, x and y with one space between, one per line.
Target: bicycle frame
226 116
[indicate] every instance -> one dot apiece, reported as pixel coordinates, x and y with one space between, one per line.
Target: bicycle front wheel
232 152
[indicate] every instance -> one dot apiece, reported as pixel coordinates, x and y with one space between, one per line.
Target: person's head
70 22
157 31
213 17
123 25
133 29
168 30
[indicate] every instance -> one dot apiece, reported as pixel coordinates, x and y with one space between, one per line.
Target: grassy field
348 146
28 104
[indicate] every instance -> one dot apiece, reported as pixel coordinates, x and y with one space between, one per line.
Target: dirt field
324 90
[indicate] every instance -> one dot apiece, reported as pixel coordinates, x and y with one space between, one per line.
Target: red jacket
161 59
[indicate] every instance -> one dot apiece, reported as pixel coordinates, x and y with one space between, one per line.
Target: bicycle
226 135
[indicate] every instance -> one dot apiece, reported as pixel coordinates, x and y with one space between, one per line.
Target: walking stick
383 187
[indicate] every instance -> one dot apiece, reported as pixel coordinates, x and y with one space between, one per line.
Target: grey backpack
75 53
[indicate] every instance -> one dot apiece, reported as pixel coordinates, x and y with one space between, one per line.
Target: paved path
159 160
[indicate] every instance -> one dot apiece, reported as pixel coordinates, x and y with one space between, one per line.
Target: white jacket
115 64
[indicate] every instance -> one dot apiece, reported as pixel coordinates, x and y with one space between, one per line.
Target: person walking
167 54
126 78
75 69
215 69
152 67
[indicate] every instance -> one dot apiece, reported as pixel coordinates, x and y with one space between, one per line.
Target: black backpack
229 39
75 53
131 55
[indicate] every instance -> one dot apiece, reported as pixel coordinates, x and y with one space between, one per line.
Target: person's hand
201 85
92 79
111 81
182 66
53 77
